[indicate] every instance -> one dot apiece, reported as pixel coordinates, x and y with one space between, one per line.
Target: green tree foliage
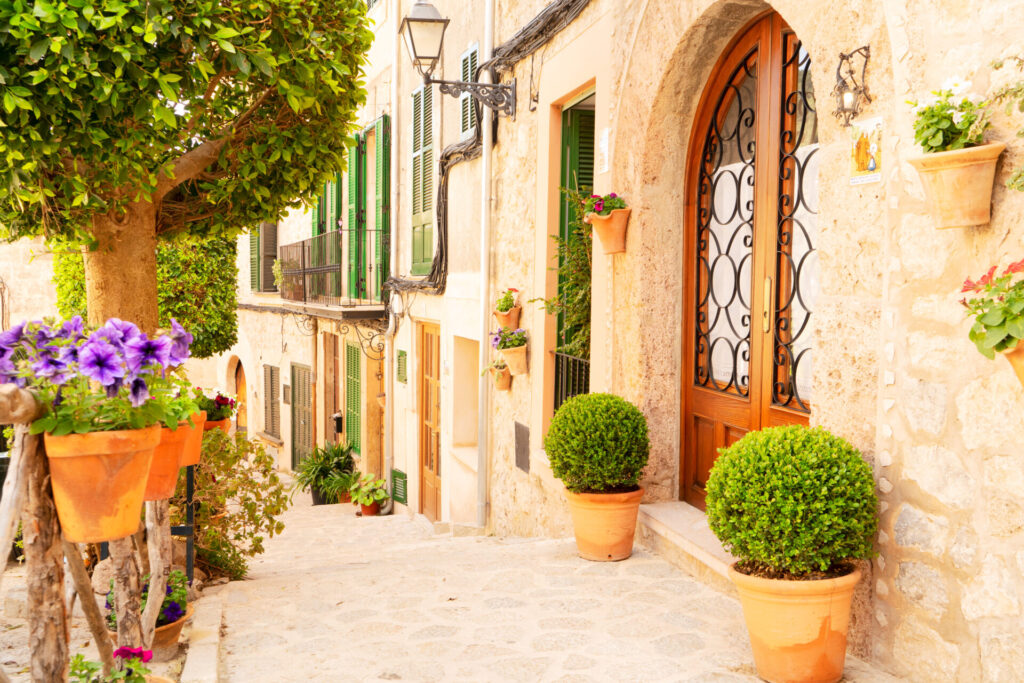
792 500
196 285
220 113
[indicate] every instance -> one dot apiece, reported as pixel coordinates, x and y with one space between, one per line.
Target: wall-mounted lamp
423 30
849 92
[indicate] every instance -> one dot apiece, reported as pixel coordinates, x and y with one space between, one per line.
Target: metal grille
572 377
326 270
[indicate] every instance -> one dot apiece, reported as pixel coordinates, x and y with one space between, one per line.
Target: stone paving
342 598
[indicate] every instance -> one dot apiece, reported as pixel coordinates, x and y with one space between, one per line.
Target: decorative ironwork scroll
371 339
500 97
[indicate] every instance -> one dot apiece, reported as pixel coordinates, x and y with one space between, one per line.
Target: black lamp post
423 30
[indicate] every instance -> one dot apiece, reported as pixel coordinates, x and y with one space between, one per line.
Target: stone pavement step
201 664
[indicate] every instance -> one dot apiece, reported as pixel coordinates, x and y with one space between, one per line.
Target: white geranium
958 118
956 85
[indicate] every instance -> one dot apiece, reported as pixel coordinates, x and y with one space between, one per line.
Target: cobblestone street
339 598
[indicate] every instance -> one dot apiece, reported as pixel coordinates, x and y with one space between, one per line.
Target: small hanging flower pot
609 217
219 409
512 344
163 474
501 375
194 441
507 310
996 303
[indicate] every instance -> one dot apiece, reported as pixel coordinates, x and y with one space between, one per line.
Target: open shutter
268 398
314 217
422 182
254 260
268 256
353 397
467 121
381 205
354 227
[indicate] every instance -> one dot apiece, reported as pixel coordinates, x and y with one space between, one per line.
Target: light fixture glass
423 31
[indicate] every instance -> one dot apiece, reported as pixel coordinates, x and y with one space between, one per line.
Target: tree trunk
48 620
120 282
97 625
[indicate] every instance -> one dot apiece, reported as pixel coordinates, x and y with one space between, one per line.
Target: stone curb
203 659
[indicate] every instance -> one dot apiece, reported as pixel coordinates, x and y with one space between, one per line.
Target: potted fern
325 471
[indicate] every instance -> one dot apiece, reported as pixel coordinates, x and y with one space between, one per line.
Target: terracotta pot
194 441
163 474
345 497
604 523
164 637
371 510
958 184
150 678
610 229
223 425
515 359
99 480
797 628
509 318
502 379
1016 358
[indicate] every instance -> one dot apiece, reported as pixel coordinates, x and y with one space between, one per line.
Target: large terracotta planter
1016 358
610 229
163 474
797 628
223 425
509 318
194 441
515 359
98 481
958 184
502 379
165 638
604 523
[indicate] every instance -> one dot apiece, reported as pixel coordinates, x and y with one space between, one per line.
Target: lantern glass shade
849 100
423 31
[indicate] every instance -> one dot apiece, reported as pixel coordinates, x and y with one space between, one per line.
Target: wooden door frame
422 330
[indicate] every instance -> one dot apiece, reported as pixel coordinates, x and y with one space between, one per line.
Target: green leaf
38 49
994 317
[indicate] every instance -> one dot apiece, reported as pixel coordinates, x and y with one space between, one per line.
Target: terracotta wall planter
1016 358
194 442
163 474
604 523
797 628
99 480
165 638
371 510
958 184
223 425
509 318
502 379
610 229
516 359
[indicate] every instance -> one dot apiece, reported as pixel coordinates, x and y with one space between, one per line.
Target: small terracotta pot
958 184
515 359
194 442
797 628
164 637
223 425
604 523
610 229
509 318
1016 358
98 481
371 510
502 379
163 474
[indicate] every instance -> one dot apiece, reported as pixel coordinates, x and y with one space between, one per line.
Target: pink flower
599 206
613 195
1014 267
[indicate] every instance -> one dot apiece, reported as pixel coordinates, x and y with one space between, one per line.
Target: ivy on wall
195 284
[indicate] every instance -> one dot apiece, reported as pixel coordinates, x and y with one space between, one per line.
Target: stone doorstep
679 533
203 659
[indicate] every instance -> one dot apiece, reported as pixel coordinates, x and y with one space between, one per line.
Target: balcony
342 269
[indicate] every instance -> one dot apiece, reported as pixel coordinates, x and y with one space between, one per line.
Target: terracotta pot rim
189 611
792 587
517 306
955 158
616 497
592 215
70 445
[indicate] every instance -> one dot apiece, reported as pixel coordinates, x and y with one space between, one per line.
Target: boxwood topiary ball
793 499
597 443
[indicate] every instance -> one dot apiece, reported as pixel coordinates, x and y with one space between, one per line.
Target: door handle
766 315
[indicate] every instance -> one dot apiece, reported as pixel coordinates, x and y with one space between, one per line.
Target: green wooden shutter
422 181
467 119
353 397
315 217
381 205
577 173
254 259
268 256
353 227
271 401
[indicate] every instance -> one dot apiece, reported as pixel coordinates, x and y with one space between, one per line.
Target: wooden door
751 266
430 421
302 413
330 386
241 413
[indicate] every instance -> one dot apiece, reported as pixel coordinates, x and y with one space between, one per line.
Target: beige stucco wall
27 291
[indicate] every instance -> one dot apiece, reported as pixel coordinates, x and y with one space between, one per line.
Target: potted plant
512 344
174 612
219 409
176 436
957 170
507 309
609 216
105 392
368 493
132 671
499 372
795 505
598 447
997 305
316 470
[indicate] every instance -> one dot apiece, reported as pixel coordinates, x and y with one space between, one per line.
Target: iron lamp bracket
501 97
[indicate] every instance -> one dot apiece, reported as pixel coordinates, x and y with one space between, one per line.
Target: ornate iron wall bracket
371 340
501 97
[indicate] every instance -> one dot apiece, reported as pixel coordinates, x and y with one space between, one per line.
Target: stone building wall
27 291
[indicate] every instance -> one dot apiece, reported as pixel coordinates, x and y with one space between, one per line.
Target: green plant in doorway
324 470
369 490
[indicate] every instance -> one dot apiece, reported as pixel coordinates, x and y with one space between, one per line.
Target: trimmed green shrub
597 443
792 499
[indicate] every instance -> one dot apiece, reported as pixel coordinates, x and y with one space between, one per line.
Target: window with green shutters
356 219
577 174
467 108
254 260
353 396
422 180
271 401
262 255
382 206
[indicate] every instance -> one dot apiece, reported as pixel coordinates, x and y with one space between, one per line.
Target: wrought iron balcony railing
572 377
343 267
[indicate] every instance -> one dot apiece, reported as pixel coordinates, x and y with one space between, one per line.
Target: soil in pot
163 474
604 523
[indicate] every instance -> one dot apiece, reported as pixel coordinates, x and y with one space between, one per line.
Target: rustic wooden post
159 526
92 612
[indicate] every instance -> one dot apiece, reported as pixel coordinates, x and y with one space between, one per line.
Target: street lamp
849 91
423 30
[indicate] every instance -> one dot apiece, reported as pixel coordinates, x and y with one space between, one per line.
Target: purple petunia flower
99 360
495 339
69 354
139 392
116 331
142 351
134 653
72 329
49 364
10 338
44 334
7 371
172 612
180 341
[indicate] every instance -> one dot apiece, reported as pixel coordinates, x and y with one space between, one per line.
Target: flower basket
515 358
958 184
99 480
509 318
194 442
502 378
163 474
610 229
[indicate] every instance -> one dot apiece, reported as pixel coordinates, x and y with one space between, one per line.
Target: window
353 397
422 180
262 254
467 106
327 208
271 401
368 210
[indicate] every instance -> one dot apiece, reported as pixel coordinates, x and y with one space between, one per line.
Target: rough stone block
924 652
924 586
924 405
992 593
964 548
1000 650
939 472
984 428
915 528
1005 514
